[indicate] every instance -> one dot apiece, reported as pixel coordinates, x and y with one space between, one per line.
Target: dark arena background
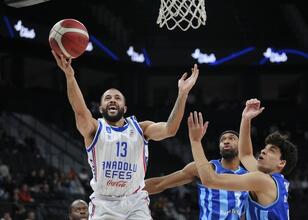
248 49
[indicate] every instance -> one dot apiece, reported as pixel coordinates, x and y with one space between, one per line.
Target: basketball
69 37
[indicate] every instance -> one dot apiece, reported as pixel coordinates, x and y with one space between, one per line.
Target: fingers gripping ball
69 37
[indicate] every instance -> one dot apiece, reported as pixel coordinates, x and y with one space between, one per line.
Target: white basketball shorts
133 207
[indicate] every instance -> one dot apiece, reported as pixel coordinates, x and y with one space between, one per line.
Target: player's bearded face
229 153
228 146
113 113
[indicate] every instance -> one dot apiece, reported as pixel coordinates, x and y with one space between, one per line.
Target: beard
228 154
113 118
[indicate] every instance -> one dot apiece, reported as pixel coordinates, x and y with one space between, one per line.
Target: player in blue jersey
213 203
268 189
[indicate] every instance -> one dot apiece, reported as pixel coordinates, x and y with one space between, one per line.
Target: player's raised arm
181 177
86 124
254 181
162 130
246 156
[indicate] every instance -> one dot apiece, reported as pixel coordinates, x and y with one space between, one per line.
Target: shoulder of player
191 169
92 132
91 129
265 191
95 125
264 181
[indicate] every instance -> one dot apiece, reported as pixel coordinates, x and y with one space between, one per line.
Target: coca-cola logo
120 183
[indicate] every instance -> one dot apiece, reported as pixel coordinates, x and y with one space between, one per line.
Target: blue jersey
221 204
278 210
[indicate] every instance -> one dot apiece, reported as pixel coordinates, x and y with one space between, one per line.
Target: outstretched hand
184 84
196 127
64 64
253 108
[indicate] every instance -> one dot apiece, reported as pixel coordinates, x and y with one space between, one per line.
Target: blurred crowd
29 187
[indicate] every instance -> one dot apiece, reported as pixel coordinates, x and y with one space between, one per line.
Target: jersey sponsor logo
108 129
119 169
231 212
131 132
119 184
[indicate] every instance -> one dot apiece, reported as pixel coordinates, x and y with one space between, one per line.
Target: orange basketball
69 37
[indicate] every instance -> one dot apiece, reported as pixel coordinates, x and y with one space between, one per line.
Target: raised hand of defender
64 64
184 84
196 127
253 108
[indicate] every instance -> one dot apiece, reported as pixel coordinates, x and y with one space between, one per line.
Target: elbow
153 186
160 189
154 190
161 186
171 132
207 182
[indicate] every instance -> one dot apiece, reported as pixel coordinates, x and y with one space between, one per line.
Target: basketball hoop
181 13
23 3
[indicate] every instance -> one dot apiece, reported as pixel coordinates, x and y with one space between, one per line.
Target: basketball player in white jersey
117 147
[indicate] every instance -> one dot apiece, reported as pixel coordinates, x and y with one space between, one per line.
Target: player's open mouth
112 108
227 147
260 158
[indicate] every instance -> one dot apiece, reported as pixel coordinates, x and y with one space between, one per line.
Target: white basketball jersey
118 158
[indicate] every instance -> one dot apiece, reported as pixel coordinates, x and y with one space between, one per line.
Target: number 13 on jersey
121 149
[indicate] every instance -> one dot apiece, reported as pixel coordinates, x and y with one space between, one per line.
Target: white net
181 13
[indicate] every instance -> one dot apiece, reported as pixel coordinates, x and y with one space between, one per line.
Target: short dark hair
287 149
228 131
